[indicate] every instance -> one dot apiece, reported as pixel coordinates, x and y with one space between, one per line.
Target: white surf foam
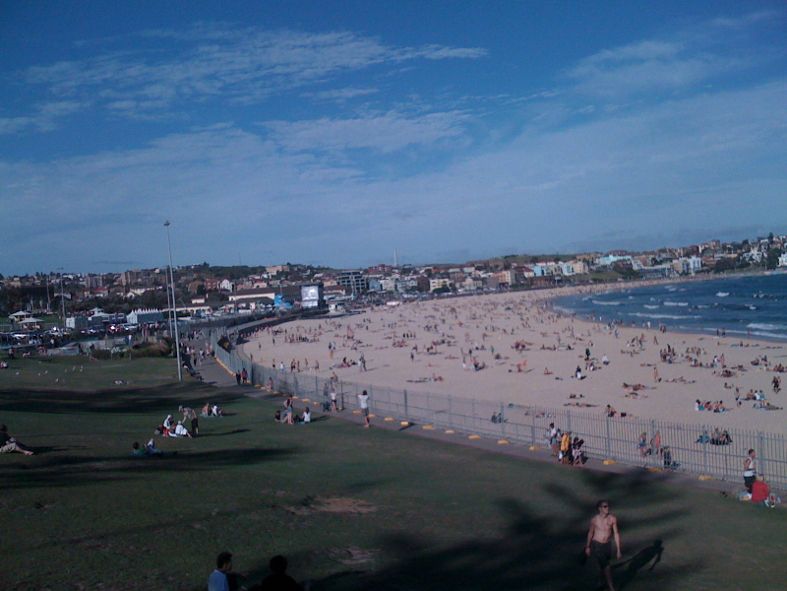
766 326
667 316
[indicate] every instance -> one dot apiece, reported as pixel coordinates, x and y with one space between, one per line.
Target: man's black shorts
602 553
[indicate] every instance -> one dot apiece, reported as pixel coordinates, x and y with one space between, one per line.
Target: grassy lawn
80 374
350 508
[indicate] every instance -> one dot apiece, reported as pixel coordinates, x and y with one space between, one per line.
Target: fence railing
683 447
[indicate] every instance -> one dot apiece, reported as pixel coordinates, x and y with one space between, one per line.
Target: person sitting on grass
278 580
9 444
760 490
205 410
179 431
151 449
307 416
137 451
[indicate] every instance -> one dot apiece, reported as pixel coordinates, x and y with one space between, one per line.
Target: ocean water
754 306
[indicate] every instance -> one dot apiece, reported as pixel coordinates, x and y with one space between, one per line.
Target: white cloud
747 20
236 65
684 60
44 118
650 66
697 159
342 94
386 132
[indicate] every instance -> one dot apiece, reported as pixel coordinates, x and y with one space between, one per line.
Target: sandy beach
514 348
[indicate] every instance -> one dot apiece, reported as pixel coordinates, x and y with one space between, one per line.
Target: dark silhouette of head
224 561
278 564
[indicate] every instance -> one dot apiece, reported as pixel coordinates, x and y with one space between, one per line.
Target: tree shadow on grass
132 400
536 550
85 470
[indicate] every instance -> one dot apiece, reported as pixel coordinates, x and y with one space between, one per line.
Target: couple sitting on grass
288 417
212 410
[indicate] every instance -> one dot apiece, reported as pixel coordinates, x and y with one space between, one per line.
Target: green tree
723 265
772 260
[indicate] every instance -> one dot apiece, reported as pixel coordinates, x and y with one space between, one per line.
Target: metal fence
684 447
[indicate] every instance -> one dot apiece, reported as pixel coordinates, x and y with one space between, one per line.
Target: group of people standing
566 448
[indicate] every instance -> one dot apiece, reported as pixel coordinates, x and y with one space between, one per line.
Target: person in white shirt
307 415
363 401
181 431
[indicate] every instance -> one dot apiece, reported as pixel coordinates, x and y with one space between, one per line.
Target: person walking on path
363 401
603 529
749 469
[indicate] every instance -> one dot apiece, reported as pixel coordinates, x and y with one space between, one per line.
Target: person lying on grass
9 444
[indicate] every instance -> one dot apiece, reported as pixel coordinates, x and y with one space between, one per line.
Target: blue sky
334 133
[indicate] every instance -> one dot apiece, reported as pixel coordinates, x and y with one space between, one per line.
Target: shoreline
650 283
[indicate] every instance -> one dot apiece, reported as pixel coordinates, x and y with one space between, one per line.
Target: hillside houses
239 286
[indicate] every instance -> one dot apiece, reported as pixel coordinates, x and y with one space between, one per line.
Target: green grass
82 514
79 373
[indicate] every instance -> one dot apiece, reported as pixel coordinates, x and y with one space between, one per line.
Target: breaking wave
662 316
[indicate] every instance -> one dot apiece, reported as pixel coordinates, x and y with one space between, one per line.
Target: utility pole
170 306
62 300
174 305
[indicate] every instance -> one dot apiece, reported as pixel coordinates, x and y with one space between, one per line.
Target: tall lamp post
62 300
174 305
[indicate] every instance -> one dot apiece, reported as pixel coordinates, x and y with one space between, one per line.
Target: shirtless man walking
603 527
